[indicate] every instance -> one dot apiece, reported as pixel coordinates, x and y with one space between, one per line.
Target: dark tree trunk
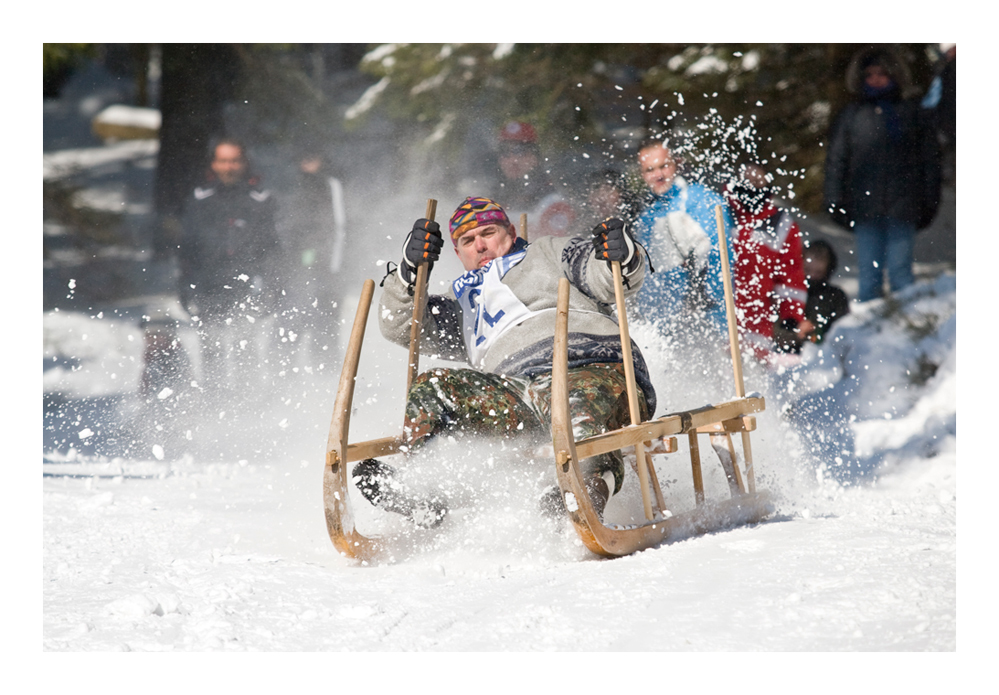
197 79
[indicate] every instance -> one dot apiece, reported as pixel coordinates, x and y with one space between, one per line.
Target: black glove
613 241
423 245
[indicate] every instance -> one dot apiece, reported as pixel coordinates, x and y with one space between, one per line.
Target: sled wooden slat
615 540
743 424
729 416
695 467
386 446
735 463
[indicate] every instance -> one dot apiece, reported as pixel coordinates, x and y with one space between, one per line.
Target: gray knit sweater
525 349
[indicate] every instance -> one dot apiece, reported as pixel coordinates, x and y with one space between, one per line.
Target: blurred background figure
608 195
526 185
882 170
941 101
769 276
679 230
826 302
314 232
229 255
165 383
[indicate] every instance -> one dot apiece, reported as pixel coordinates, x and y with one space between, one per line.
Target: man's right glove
613 241
423 245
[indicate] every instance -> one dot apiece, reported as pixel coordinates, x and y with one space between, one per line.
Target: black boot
379 485
553 506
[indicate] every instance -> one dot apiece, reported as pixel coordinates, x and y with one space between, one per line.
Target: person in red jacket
769 274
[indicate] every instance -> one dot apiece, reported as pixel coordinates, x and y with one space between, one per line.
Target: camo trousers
446 401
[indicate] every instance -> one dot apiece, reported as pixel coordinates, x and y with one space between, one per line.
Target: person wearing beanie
882 170
499 317
526 185
769 276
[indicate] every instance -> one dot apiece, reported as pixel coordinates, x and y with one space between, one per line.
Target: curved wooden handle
419 299
733 331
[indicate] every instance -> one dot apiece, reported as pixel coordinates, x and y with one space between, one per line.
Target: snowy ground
153 553
202 530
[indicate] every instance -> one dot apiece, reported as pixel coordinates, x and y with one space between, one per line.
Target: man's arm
440 335
188 254
586 262
789 282
833 187
441 332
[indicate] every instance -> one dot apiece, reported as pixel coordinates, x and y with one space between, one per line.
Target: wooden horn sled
745 505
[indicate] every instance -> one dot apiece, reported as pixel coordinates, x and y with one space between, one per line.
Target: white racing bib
488 307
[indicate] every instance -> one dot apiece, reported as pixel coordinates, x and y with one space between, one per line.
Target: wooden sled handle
419 299
644 463
733 339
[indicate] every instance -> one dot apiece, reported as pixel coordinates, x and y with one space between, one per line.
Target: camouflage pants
443 401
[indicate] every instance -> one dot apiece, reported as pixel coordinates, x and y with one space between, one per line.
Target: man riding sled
499 317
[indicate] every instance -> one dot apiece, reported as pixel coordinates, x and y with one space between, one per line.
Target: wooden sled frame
747 505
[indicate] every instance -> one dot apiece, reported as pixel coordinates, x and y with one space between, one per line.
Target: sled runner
746 505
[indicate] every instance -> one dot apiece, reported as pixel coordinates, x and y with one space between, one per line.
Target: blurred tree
260 93
196 82
718 102
58 62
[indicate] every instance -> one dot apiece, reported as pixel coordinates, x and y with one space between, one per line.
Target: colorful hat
518 131
476 212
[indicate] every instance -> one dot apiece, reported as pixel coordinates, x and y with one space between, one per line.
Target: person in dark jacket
826 303
526 186
313 235
227 254
882 173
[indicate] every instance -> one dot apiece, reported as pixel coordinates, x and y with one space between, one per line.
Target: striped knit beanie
476 212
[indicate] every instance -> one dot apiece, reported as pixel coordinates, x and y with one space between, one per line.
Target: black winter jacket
883 158
228 239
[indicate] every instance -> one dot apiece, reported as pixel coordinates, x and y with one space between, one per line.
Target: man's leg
870 240
467 401
900 240
598 403
443 401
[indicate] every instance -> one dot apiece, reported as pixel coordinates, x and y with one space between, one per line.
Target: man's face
755 176
604 201
228 164
517 164
877 77
658 168
480 245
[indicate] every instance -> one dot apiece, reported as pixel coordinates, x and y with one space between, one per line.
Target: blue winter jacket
685 254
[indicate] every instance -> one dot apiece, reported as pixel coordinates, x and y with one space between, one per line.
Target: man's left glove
613 241
423 245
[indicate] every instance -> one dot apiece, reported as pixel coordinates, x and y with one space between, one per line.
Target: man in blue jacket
679 231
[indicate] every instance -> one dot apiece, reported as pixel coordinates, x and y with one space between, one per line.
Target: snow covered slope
228 552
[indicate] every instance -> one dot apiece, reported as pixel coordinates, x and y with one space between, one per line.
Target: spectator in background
882 172
314 234
228 256
679 230
826 303
941 101
769 274
608 195
526 187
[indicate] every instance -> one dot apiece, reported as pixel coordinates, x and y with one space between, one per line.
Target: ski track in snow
208 561
185 554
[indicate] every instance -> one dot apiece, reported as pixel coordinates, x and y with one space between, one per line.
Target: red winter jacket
769 273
